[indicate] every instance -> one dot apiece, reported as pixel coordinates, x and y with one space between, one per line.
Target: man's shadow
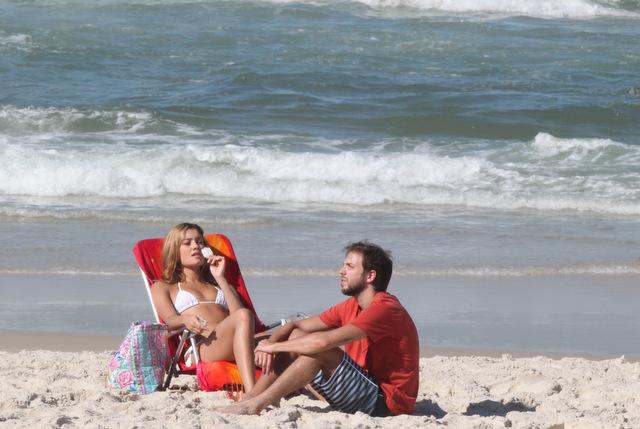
495 408
427 407
487 408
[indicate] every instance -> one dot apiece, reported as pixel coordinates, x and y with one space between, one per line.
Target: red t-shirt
390 352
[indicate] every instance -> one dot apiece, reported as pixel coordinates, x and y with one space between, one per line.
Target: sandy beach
45 388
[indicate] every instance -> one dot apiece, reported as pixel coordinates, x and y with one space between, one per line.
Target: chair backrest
148 253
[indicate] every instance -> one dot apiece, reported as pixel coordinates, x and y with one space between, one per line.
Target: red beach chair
148 253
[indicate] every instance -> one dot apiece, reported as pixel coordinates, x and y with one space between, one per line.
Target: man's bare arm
315 342
264 359
311 324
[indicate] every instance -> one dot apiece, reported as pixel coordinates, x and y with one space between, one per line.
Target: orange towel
222 375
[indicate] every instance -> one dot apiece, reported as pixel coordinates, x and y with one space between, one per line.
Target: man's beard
353 290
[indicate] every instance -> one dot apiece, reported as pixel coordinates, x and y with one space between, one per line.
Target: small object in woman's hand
206 252
202 322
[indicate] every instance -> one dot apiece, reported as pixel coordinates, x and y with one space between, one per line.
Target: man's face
352 275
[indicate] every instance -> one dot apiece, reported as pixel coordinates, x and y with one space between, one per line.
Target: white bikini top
186 300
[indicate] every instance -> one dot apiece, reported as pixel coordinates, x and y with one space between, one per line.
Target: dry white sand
67 389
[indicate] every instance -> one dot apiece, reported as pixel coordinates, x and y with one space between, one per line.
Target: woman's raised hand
217 265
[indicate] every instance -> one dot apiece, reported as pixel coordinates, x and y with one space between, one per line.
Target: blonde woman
194 294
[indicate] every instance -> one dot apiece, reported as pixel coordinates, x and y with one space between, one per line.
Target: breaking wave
548 173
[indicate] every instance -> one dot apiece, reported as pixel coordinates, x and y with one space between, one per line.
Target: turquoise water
474 139
470 137
352 71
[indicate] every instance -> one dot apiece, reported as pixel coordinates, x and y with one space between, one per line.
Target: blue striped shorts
349 388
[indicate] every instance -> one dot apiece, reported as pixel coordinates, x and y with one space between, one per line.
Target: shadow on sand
486 408
494 408
427 407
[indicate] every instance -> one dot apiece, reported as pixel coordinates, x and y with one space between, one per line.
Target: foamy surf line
572 9
596 269
36 120
291 272
66 272
80 214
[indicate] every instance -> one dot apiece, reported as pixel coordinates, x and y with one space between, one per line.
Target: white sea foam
478 271
571 9
38 120
486 271
581 269
17 39
82 213
78 272
576 149
16 42
575 9
535 8
548 174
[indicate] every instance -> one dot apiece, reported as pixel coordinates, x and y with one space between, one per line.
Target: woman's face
190 254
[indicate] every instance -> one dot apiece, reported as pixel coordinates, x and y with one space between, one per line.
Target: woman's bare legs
296 376
232 340
280 363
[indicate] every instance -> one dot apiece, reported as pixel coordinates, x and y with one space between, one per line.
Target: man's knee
296 333
327 360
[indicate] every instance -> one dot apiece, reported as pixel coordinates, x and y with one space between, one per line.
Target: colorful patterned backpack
139 364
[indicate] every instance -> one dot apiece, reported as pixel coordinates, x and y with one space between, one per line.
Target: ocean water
472 138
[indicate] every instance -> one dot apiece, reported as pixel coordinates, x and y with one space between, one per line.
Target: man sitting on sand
376 374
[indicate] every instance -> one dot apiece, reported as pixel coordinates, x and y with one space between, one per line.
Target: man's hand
264 356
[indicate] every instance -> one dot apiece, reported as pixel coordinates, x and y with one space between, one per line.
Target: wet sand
563 315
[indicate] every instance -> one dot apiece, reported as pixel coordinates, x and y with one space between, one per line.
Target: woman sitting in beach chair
195 295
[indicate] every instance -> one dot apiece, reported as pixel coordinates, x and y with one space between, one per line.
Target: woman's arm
217 264
167 312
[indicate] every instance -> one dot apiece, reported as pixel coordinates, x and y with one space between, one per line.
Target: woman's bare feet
234 396
235 392
247 407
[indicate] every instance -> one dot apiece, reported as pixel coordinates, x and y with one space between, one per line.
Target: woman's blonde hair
172 268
